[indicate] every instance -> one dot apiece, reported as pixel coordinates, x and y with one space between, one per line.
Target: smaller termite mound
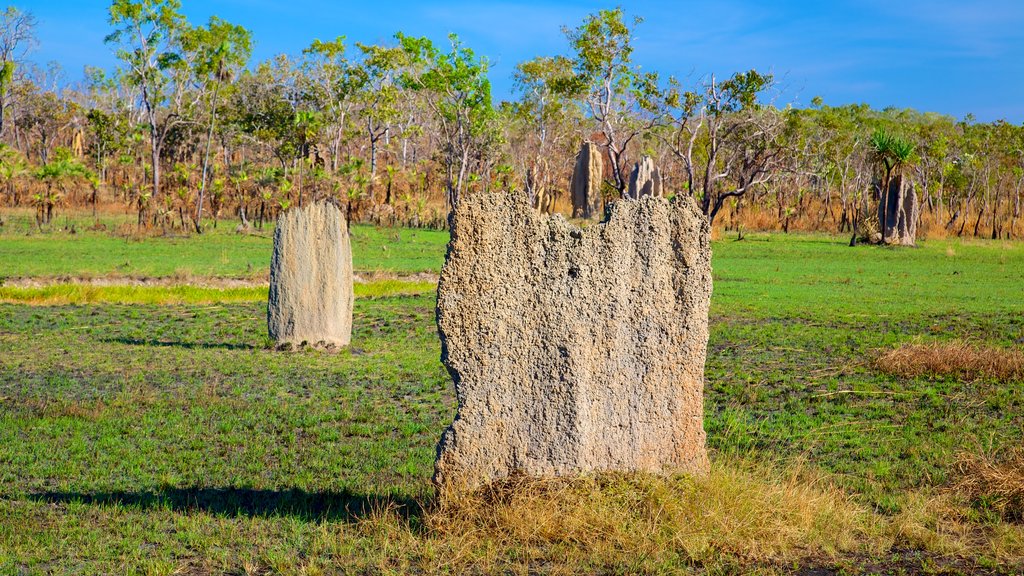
644 179
585 184
311 294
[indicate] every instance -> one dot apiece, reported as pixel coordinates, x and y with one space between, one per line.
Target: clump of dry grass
639 522
955 358
995 482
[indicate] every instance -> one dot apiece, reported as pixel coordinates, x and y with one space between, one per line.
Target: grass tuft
993 483
957 358
744 512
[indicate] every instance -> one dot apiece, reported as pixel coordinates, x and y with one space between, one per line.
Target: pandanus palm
12 168
892 151
55 175
894 154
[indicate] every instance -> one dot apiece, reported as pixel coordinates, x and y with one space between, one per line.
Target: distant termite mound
898 213
644 179
311 278
574 349
585 184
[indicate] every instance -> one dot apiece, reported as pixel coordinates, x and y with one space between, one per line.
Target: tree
459 95
148 34
258 107
17 37
306 124
610 87
56 175
543 83
893 153
12 168
377 91
220 49
328 84
727 141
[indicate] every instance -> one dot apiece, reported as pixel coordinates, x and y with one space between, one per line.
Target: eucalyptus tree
13 168
220 49
458 93
375 80
103 124
306 125
263 108
148 34
612 90
56 175
832 153
115 131
727 141
935 144
45 119
543 83
328 88
17 38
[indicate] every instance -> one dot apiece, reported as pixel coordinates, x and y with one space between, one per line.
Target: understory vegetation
186 131
154 429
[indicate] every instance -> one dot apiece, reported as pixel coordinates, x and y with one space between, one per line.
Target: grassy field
219 253
156 432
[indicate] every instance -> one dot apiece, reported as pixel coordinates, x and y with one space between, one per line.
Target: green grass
219 253
816 276
149 437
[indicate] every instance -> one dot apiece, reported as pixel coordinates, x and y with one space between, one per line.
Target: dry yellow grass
995 482
955 358
743 517
639 523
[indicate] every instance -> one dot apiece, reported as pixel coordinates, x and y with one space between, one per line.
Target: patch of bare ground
903 561
957 358
198 281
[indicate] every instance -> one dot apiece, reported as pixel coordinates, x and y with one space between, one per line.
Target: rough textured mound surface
898 213
311 278
644 179
574 350
585 184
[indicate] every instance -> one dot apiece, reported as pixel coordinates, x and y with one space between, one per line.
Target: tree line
187 131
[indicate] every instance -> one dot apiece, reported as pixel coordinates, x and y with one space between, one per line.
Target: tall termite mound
311 278
574 349
585 184
898 213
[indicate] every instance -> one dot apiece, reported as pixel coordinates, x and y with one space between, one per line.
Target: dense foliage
187 128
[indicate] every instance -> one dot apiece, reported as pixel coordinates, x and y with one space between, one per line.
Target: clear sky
949 56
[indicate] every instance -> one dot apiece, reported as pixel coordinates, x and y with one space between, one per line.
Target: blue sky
952 57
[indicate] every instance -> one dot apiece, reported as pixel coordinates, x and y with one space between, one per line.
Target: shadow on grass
179 344
233 502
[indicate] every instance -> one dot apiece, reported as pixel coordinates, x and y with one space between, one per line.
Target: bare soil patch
201 282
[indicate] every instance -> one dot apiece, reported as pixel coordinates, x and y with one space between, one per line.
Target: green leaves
891 149
217 49
147 33
741 90
63 167
603 43
459 93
